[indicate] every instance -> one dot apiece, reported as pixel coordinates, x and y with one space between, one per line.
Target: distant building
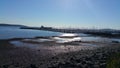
45 28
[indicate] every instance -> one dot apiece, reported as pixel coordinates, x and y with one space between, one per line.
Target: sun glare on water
64 38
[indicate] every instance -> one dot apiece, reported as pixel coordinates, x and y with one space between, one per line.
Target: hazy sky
62 13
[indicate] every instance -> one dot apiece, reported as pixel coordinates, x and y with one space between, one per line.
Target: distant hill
13 25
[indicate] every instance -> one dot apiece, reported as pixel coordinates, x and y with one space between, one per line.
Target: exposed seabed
33 53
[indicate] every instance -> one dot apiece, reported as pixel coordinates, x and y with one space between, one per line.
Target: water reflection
67 37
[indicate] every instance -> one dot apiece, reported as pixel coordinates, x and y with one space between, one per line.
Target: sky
62 13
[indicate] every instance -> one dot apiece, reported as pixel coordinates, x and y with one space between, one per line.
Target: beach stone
53 57
103 65
78 60
66 65
83 62
78 64
87 59
115 41
96 66
5 66
16 65
89 64
84 66
102 61
53 67
38 50
33 66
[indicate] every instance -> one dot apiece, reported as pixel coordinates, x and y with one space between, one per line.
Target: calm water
15 32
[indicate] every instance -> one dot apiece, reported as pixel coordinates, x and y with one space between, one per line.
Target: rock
5 66
115 41
38 50
96 66
78 60
103 65
16 65
52 67
83 62
33 66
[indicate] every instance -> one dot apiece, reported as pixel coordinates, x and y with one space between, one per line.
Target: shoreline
17 57
94 32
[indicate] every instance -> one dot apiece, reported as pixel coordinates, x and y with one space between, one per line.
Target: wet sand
49 54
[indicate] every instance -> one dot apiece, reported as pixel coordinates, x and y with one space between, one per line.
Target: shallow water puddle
21 44
38 40
56 48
